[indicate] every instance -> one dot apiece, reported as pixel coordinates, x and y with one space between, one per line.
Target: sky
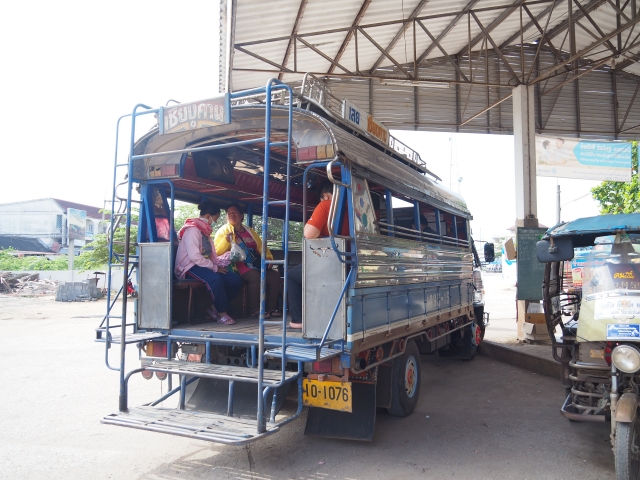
71 68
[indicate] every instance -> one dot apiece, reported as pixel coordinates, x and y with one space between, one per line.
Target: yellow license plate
331 395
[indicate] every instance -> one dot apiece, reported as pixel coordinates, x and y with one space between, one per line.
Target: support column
524 131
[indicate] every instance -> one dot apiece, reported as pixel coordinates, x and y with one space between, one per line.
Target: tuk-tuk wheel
405 381
627 454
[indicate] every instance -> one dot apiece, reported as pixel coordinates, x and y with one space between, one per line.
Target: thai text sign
574 158
76 223
361 119
195 115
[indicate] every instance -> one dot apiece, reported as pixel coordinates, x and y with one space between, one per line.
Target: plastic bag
237 254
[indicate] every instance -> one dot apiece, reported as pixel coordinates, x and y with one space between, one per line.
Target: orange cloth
320 217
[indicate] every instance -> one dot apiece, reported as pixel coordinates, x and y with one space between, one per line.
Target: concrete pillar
524 132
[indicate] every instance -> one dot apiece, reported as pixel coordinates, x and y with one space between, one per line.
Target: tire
405 382
470 341
627 456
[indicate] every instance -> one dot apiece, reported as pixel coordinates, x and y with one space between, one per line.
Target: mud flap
358 425
212 396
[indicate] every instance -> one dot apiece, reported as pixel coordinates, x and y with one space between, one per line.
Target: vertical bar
355 37
616 121
458 120
125 271
371 96
438 229
230 399
183 391
455 227
274 405
207 354
469 49
250 215
415 53
416 216
387 201
416 108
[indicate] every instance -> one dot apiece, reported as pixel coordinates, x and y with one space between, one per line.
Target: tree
620 197
96 253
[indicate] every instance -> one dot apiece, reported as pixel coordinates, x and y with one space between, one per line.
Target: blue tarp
604 224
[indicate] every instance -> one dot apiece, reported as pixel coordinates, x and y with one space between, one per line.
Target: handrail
335 310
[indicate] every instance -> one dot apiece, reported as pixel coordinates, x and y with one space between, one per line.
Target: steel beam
446 55
385 54
497 50
485 110
633 99
325 56
262 59
501 18
349 35
447 29
587 15
582 53
527 26
398 36
294 32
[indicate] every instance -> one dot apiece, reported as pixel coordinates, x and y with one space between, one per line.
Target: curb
514 356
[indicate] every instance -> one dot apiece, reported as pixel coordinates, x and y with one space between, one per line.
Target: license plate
624 331
331 395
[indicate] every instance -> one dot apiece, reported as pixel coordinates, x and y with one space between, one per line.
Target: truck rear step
220 372
130 338
199 425
302 354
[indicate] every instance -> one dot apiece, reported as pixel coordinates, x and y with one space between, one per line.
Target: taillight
322 367
607 352
156 349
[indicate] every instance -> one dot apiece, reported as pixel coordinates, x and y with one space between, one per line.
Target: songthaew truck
397 276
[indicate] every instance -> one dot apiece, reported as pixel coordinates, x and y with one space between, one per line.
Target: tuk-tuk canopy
585 230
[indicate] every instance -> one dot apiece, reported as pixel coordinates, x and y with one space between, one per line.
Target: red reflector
322 367
147 375
607 352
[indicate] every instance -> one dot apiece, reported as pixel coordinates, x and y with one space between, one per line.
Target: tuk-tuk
592 312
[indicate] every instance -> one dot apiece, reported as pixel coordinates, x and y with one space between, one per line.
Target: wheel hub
410 378
478 335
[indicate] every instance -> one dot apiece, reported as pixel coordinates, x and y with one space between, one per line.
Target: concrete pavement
480 420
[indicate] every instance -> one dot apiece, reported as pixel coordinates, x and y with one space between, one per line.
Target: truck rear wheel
405 382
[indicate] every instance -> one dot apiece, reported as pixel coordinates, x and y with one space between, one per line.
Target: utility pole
559 209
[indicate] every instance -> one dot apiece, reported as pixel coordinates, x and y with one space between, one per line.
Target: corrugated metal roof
351 40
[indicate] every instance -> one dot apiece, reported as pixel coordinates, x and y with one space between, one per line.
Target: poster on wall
76 222
583 159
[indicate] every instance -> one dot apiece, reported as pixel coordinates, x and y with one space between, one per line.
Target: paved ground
477 420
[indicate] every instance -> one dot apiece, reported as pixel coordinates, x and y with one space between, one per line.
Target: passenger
249 270
424 225
196 258
316 227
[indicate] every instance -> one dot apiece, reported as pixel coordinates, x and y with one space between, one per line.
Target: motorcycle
592 312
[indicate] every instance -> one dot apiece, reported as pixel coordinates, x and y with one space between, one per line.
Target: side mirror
489 252
561 250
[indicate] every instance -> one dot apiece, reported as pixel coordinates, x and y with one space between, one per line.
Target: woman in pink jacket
196 258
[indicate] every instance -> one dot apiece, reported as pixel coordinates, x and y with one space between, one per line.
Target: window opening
461 228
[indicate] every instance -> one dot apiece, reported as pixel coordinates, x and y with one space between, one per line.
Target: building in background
46 220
